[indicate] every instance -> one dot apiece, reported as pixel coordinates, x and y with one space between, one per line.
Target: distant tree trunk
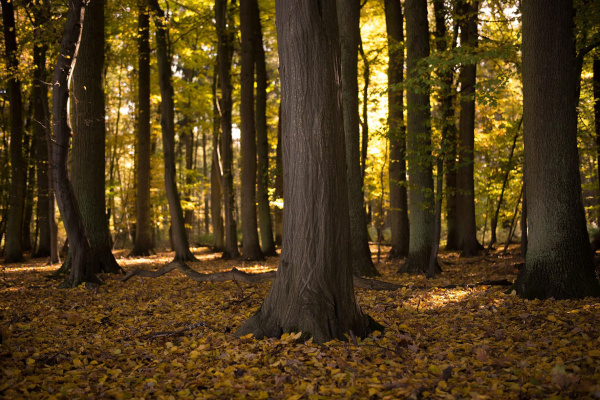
29 146
313 292
206 179
524 239
224 54
397 131
596 90
89 134
13 247
216 174
419 157
278 193
83 261
262 140
465 196
364 133
349 29
143 245
40 127
186 137
559 261
250 242
167 122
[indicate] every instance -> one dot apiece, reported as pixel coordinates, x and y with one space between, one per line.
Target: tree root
240 276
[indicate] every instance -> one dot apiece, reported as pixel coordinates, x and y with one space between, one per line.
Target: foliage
173 337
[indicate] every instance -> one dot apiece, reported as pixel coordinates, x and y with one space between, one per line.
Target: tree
397 130
223 18
262 142
559 262
216 173
89 134
142 245
465 196
83 261
349 28
250 243
419 140
167 122
313 291
14 229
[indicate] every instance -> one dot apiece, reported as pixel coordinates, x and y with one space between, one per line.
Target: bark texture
89 133
397 130
559 261
465 196
167 122
142 245
349 28
262 140
223 19
216 173
313 291
13 247
83 262
421 204
250 242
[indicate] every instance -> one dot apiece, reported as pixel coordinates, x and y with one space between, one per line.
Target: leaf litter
171 338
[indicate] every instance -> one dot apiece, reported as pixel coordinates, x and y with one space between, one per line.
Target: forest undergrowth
171 337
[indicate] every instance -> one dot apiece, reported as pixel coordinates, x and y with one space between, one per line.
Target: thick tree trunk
313 292
596 91
223 18
216 174
262 140
13 247
250 242
397 131
559 260
143 245
278 194
349 28
40 127
465 196
83 261
167 122
419 157
89 133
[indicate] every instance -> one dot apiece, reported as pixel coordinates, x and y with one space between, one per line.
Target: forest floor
171 337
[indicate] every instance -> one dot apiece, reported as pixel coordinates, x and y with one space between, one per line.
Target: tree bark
29 146
421 204
262 140
250 243
465 196
143 245
13 247
596 91
559 261
223 19
313 292
349 29
89 134
397 131
167 122
83 261
278 193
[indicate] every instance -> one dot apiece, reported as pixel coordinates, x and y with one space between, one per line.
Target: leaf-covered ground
171 337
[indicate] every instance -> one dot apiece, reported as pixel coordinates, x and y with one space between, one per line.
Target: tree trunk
313 292
278 193
216 174
262 139
89 133
13 247
167 122
596 90
465 196
143 245
29 146
559 261
40 126
419 157
524 239
83 261
225 32
250 242
397 131
349 29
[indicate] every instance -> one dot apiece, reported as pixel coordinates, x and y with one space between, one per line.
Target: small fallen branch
179 331
237 276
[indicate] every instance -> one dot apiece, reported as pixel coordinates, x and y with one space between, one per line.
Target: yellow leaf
594 353
551 318
102 379
77 363
194 354
30 361
373 392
